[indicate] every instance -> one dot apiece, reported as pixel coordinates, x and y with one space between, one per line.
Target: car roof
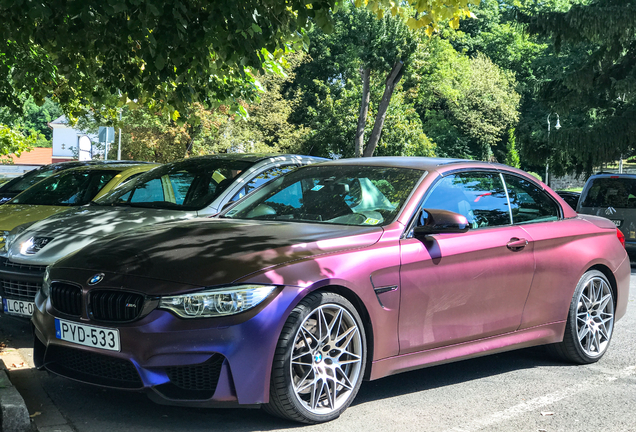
612 175
255 157
415 162
93 162
110 166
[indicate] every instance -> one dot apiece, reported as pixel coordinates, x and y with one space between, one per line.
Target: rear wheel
590 323
319 361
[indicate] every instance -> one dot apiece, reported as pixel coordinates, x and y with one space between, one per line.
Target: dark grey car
195 187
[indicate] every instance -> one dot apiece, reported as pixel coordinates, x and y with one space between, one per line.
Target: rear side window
261 179
528 202
611 192
149 191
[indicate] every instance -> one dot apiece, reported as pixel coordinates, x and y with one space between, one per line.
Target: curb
15 416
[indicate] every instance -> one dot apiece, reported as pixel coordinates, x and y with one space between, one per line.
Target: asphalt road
518 391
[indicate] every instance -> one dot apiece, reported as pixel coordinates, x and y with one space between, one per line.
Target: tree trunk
391 81
364 110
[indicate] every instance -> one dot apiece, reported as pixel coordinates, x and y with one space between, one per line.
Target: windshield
611 192
191 184
27 180
68 188
349 195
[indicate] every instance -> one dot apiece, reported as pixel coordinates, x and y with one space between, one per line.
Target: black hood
206 251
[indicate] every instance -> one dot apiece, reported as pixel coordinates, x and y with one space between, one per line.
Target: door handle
516 244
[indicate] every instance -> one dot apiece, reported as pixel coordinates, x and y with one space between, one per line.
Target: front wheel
319 361
590 323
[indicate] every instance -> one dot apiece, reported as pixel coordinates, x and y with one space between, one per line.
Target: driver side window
480 197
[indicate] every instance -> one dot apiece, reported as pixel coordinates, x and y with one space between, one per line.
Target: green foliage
328 86
495 33
12 141
152 135
535 175
466 104
593 91
427 15
159 52
164 54
33 120
512 156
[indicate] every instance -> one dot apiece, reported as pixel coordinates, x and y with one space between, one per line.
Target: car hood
12 215
204 252
72 230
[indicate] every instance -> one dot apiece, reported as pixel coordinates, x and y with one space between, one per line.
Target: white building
66 141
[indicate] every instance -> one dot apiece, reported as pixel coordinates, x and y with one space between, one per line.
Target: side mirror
441 222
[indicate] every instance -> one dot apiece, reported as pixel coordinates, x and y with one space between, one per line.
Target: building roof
37 156
60 120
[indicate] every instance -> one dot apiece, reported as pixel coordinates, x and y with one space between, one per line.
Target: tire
590 322
319 360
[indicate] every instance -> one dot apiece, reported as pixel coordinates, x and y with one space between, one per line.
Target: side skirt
540 335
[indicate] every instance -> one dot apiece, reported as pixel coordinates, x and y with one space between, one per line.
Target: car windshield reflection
349 195
186 185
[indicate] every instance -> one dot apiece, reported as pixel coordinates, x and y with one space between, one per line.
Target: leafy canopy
12 141
169 53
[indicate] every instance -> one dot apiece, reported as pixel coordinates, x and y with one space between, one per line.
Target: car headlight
9 237
46 283
216 302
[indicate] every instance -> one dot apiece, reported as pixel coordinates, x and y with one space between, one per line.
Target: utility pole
119 146
547 164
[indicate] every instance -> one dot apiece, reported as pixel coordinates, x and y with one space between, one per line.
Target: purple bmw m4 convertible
329 275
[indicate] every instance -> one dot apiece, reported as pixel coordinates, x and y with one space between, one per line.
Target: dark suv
612 196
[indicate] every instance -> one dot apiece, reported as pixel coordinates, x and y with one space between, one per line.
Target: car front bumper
19 283
189 362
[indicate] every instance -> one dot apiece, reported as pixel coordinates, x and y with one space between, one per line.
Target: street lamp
557 126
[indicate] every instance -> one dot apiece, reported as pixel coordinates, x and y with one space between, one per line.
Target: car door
539 216
461 287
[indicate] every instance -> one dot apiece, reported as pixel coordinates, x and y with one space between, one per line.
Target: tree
162 53
152 135
33 120
594 93
349 79
467 105
12 141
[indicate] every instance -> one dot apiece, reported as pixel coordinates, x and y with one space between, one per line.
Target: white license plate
616 222
87 335
17 307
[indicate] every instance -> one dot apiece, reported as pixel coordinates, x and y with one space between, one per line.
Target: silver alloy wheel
595 317
326 359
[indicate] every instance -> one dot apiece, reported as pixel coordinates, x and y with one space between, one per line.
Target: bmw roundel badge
96 279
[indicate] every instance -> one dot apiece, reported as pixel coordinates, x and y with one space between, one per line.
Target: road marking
542 401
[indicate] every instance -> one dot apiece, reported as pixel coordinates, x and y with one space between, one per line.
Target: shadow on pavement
92 409
454 373
15 332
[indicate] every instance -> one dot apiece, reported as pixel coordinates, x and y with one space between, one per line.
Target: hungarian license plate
17 307
617 222
87 335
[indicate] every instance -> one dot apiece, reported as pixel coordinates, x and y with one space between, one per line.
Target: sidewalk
15 416
24 405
